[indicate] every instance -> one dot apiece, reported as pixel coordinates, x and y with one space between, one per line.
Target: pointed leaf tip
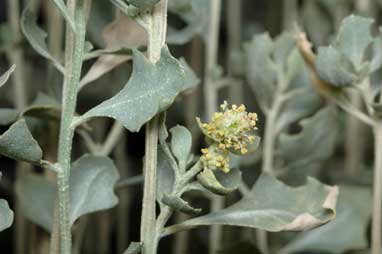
18 143
151 89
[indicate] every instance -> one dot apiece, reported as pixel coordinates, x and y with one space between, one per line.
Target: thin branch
112 139
129 182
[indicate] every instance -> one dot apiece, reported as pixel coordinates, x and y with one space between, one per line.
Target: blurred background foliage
346 159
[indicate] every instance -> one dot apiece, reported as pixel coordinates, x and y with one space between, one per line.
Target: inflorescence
230 130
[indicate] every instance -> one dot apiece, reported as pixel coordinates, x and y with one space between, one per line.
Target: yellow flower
214 158
232 128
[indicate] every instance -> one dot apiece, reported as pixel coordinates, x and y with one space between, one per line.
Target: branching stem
74 53
155 24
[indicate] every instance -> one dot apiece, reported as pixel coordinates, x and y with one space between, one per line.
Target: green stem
74 52
270 133
211 101
210 92
148 220
156 25
234 26
269 136
377 192
112 139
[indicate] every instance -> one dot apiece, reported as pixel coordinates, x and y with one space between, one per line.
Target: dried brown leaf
123 32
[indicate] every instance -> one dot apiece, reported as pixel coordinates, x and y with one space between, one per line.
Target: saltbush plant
255 162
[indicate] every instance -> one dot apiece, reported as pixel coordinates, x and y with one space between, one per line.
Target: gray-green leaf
302 103
36 196
315 142
195 14
354 37
181 141
179 204
44 107
4 78
18 143
219 182
376 60
334 67
151 89
165 175
8 116
36 36
261 76
340 235
273 206
6 215
92 183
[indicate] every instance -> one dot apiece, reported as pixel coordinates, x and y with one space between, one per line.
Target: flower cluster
215 158
230 130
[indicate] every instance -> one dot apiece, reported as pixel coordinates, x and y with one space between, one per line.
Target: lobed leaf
18 143
303 103
151 89
344 63
273 206
339 236
276 69
314 143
